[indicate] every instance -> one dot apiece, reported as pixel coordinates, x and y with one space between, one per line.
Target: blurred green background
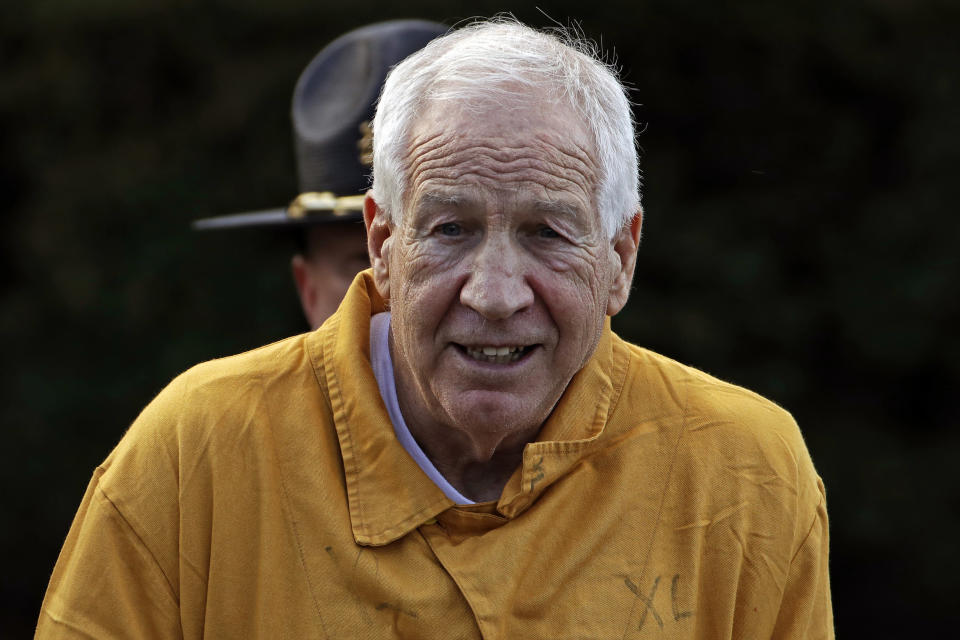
800 165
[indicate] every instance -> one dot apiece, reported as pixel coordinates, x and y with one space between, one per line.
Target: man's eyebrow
566 209
435 199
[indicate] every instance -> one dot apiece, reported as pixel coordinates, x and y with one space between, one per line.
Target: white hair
503 60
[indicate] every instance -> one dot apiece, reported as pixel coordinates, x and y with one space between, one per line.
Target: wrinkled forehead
531 142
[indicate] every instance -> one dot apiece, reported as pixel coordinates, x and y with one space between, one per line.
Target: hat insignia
365 144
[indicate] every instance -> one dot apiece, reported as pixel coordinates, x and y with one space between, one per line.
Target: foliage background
800 165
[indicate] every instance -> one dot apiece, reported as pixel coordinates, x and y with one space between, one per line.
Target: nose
496 287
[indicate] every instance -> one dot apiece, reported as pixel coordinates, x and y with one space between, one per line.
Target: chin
491 412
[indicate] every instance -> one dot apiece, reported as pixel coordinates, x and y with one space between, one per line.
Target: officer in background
333 106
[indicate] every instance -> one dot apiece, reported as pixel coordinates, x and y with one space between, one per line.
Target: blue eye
449 229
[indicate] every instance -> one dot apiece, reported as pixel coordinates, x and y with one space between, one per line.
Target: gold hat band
313 202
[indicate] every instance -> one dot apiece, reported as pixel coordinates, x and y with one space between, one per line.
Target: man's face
499 274
335 253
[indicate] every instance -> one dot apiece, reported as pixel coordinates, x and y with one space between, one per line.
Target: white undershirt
383 372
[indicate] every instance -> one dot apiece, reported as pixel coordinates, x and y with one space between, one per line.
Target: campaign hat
332 111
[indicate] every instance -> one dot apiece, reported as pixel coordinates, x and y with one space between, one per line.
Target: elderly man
464 450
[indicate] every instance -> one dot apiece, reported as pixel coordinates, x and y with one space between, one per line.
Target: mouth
496 355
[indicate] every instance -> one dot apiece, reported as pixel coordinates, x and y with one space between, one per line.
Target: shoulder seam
141 542
813 523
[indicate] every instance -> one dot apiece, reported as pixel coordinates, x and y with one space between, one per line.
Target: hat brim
274 219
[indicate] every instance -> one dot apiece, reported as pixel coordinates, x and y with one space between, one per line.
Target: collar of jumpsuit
389 495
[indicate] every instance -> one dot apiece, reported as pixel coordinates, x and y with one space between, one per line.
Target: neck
477 465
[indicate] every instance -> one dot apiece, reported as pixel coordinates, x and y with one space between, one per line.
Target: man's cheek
428 261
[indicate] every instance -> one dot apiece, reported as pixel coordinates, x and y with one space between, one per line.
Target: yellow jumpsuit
266 496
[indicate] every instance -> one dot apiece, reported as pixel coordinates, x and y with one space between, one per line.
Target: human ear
379 240
625 246
306 288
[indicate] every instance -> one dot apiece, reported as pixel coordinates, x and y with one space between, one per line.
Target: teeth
499 355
